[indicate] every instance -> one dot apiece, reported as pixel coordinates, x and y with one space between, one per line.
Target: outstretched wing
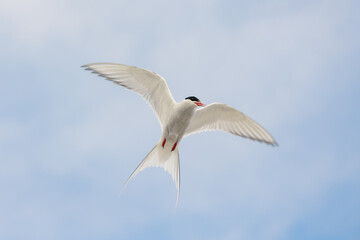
151 86
218 116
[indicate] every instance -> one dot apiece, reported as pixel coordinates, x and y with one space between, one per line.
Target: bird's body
177 120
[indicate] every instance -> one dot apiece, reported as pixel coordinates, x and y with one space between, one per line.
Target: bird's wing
151 86
219 116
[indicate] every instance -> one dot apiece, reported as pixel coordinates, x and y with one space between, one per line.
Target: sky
70 139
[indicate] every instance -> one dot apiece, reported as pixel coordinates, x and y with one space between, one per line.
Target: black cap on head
192 98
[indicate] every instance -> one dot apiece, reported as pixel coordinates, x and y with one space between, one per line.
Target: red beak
200 104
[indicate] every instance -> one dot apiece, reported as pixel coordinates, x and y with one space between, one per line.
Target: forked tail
169 161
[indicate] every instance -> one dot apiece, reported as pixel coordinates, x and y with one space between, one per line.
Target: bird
177 119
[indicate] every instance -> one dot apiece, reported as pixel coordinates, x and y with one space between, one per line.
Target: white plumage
177 120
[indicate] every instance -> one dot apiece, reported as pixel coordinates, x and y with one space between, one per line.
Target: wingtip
86 67
274 144
90 66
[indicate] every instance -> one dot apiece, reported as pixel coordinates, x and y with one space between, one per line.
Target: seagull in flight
177 119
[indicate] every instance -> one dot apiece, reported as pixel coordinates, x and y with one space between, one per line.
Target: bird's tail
159 157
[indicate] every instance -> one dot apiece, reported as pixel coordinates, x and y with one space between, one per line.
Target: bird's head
195 100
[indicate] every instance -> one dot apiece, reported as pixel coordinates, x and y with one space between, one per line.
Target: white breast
179 120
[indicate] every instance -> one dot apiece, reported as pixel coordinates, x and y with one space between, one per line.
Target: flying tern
177 119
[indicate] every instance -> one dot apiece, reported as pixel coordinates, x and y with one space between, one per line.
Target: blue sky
69 139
